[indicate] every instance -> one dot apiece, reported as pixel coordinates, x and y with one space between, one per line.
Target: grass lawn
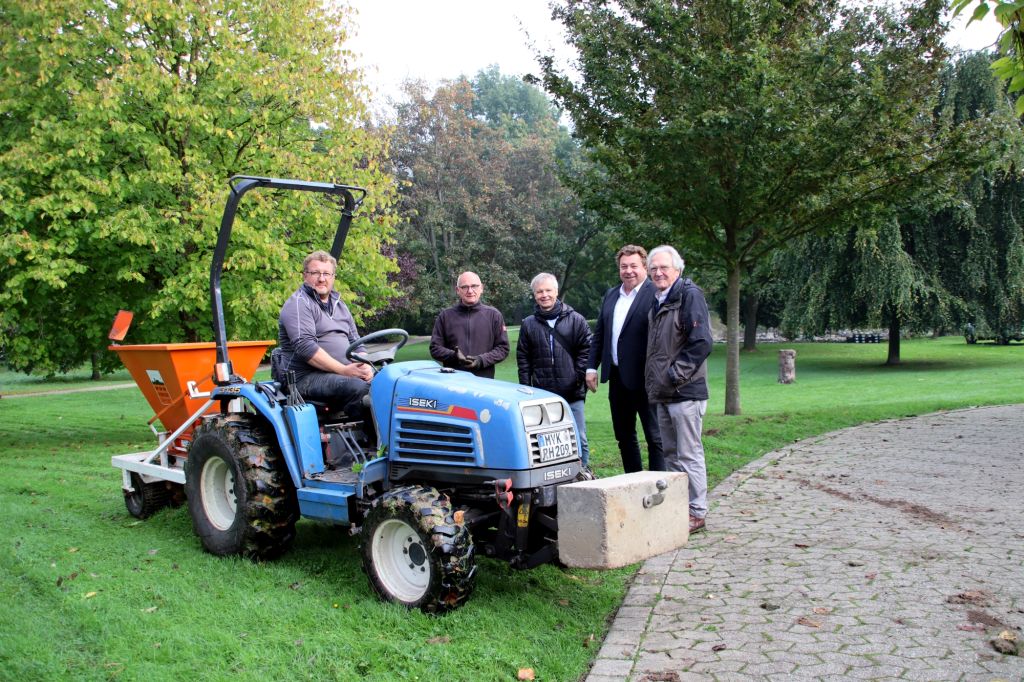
89 592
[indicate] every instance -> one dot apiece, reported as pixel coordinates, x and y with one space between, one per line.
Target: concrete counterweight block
613 522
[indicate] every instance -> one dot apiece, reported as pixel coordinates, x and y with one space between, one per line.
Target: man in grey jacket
315 329
678 344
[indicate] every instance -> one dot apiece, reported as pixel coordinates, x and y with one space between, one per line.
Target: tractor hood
441 416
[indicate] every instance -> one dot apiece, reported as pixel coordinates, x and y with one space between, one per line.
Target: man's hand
357 370
592 382
469 362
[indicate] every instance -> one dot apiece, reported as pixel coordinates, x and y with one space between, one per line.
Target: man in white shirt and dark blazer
619 349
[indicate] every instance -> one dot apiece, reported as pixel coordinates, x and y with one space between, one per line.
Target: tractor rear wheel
414 552
240 495
146 499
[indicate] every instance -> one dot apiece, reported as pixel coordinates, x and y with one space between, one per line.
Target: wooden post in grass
787 366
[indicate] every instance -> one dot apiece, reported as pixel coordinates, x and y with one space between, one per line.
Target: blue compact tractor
453 464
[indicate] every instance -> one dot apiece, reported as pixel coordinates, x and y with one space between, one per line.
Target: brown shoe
696 524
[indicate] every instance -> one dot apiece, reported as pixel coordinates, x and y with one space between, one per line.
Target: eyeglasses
318 275
661 268
469 287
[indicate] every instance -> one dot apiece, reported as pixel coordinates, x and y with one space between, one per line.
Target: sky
443 39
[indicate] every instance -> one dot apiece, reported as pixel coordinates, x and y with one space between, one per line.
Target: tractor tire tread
269 507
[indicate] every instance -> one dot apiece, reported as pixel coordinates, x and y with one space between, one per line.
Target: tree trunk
732 343
95 358
894 340
749 322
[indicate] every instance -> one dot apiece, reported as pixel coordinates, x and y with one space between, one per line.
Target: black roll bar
240 184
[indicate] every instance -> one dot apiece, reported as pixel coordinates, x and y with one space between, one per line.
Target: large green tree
120 124
482 163
934 261
732 128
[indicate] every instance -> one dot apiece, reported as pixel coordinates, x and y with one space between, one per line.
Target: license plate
555 445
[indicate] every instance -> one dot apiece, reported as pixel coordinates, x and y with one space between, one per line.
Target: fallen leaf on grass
443 639
151 609
295 586
72 550
90 595
563 602
587 640
152 552
525 674
809 622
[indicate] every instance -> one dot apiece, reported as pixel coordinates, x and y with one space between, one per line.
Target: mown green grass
88 592
15 383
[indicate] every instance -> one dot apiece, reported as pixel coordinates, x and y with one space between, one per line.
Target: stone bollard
787 366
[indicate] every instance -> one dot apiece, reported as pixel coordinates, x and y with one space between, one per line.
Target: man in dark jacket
619 349
554 344
678 345
470 335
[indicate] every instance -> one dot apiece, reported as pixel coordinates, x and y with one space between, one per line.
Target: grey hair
677 260
540 278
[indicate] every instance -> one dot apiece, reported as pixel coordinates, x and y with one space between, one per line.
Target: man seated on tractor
315 329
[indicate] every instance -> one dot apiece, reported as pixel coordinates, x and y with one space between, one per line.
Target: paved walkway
892 551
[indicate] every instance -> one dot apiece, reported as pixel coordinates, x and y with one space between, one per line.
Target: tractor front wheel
240 495
414 552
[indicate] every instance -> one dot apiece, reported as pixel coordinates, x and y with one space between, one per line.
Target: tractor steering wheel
383 354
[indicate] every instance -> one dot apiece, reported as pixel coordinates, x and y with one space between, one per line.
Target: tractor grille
424 440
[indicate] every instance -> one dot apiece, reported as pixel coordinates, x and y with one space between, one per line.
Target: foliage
481 163
1009 67
735 128
937 261
121 125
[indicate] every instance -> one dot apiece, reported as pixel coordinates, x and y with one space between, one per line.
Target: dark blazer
632 339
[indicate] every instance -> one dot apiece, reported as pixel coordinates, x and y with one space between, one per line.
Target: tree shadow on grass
912 365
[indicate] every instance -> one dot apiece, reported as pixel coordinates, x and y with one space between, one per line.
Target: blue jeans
577 413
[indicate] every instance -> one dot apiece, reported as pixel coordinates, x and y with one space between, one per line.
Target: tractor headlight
533 415
556 412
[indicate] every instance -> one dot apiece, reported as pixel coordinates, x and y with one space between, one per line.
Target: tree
735 128
1010 15
936 261
482 164
120 126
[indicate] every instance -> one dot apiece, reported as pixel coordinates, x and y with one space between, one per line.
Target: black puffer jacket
542 356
